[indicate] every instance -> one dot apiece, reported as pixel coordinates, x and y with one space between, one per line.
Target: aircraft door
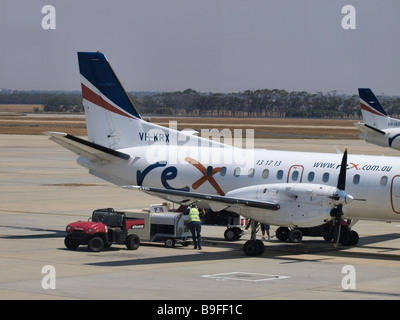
295 173
395 194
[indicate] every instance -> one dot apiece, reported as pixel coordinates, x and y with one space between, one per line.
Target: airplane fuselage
374 179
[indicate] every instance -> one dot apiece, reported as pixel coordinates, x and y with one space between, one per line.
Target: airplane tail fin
112 120
373 114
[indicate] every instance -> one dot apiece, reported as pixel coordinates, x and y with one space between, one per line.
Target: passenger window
356 179
384 181
223 171
265 173
250 174
279 174
311 176
236 173
295 175
325 177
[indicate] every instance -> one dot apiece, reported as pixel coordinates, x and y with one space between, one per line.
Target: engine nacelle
301 204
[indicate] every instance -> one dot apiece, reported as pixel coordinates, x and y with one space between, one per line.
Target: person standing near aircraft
265 227
194 225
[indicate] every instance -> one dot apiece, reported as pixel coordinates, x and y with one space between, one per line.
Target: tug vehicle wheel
96 244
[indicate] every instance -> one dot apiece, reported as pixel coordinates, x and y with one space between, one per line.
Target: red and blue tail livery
108 108
370 103
101 86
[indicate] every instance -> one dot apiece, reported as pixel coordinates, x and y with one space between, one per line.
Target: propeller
337 212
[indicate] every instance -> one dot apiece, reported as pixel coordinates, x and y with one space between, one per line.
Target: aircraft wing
216 203
368 130
89 150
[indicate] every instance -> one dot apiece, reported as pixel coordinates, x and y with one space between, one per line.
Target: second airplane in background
378 128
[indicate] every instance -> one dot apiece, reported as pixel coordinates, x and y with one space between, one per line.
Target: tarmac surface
43 189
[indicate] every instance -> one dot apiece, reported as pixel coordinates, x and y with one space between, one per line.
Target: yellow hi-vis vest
194 215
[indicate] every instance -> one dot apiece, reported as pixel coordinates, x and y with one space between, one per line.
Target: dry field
19 108
20 119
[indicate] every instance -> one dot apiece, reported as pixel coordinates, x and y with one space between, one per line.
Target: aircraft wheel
231 234
295 236
261 247
252 248
349 238
282 233
96 244
355 237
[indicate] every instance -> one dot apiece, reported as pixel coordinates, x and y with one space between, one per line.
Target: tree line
52 101
256 103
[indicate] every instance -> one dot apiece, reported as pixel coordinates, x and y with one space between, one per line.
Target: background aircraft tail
373 114
112 120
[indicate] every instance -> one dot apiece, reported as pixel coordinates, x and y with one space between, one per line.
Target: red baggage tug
106 227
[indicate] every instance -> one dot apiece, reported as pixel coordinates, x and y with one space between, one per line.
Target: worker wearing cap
195 225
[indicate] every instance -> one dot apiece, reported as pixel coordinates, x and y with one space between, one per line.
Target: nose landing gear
253 247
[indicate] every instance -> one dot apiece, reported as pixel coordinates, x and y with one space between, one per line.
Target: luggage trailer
162 225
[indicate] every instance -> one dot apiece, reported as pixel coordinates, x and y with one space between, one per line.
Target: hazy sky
206 45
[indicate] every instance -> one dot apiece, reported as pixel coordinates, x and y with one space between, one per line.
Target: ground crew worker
195 225
265 227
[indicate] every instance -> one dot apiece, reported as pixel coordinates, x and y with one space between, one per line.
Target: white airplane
378 128
292 190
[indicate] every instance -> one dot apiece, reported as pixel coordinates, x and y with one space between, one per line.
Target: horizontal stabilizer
220 202
89 150
368 130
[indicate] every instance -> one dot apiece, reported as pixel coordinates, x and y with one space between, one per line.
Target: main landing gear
253 247
347 237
